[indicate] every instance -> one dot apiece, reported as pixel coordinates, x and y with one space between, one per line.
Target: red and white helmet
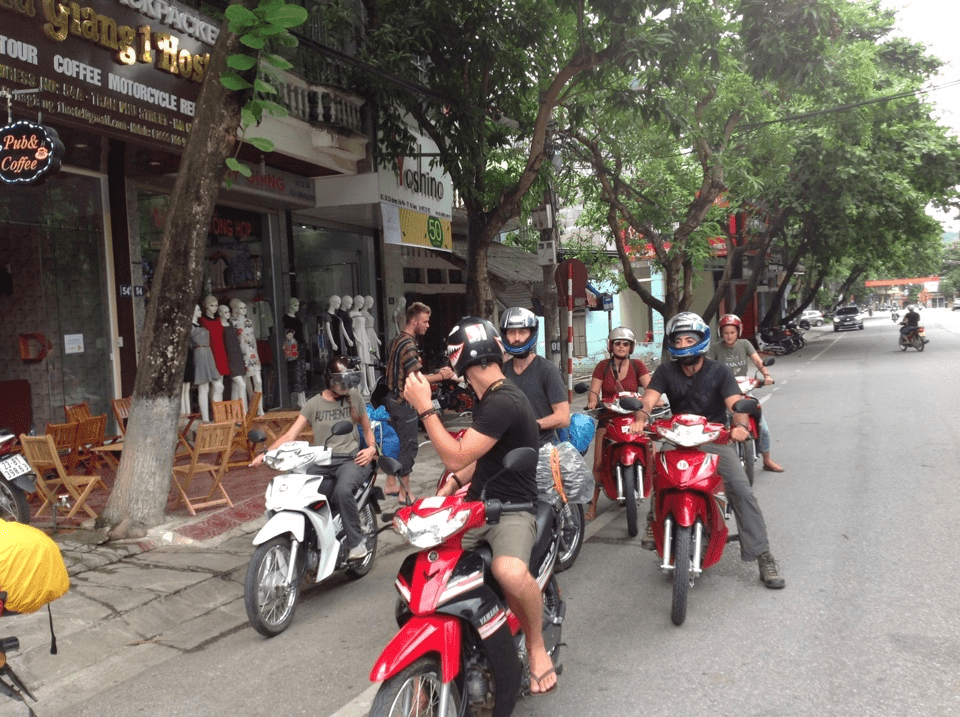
731 320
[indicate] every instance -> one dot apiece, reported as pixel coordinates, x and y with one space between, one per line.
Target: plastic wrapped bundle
388 443
576 474
580 433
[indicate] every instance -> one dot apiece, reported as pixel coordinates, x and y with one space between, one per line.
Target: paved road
861 522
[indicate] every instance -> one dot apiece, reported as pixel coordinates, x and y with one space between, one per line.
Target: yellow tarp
32 572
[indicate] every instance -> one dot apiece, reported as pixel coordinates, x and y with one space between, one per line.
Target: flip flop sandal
552 670
778 469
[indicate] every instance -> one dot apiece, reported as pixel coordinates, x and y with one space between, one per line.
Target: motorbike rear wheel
368 526
415 692
918 343
681 573
270 606
748 455
630 494
13 503
571 536
903 344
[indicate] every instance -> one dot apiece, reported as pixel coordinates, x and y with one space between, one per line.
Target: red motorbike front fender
684 507
418 637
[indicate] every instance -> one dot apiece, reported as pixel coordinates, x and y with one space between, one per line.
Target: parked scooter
302 542
690 507
627 462
460 648
16 481
916 339
747 449
773 340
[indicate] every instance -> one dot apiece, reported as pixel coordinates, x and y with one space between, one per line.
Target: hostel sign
29 152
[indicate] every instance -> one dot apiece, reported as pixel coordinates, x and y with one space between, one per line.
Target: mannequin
238 369
205 373
248 344
372 353
361 341
348 346
210 320
188 370
332 325
399 316
296 366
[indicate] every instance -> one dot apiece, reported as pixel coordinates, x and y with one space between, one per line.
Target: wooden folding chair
65 440
76 412
41 453
90 436
121 411
213 440
233 411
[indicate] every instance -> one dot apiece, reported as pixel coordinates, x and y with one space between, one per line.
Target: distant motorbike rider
910 322
699 385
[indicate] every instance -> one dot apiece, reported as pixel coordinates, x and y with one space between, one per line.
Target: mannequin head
367 303
197 313
334 303
237 308
224 311
210 306
358 303
346 302
293 306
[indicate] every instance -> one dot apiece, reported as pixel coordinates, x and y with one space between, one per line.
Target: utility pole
544 219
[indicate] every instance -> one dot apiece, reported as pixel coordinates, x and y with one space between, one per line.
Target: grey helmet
621 333
519 318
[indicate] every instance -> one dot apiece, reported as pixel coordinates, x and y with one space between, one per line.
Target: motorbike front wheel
368 526
269 602
903 344
681 573
630 494
571 536
415 692
13 503
748 454
918 343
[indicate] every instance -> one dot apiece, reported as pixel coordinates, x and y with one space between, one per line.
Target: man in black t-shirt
910 321
503 420
704 387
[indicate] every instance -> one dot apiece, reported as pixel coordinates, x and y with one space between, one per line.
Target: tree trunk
143 480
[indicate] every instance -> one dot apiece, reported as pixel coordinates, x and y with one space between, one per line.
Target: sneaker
648 542
358 553
769 572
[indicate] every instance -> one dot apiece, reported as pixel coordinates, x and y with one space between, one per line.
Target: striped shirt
404 359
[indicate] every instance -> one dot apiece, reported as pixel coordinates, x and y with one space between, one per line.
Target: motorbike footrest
733 537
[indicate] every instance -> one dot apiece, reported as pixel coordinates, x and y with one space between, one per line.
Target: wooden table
276 423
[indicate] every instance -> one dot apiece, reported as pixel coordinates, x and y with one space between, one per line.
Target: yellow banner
421 229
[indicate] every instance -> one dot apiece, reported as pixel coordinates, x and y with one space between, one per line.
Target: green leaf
233 81
264 145
264 87
274 110
241 62
280 63
253 41
288 16
286 40
240 14
247 118
239 167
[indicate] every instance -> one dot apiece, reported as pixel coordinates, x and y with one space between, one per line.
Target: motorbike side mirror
389 465
341 428
769 361
521 459
256 436
630 403
581 387
746 405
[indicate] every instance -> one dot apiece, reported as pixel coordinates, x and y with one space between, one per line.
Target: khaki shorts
512 537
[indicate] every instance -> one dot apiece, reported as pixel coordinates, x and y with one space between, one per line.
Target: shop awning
516 276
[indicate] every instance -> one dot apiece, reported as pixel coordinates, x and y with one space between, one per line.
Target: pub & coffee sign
29 152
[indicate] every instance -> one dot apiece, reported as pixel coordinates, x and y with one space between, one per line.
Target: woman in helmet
611 377
699 385
339 401
735 352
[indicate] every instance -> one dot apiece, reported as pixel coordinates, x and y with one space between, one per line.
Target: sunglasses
622 343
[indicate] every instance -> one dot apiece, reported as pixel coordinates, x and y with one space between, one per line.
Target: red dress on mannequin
216 343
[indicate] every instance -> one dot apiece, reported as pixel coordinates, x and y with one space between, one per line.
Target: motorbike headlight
426 531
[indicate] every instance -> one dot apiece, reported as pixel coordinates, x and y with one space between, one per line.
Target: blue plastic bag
581 431
388 443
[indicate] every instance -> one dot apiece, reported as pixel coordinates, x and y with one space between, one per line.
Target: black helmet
342 374
473 341
519 318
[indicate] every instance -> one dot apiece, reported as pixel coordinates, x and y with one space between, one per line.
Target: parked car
847 318
809 318
956 305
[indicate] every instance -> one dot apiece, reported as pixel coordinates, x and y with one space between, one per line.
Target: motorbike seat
546 515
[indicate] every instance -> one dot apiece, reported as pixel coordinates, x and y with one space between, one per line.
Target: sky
935 23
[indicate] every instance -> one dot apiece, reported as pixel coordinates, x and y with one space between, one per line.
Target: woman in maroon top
611 377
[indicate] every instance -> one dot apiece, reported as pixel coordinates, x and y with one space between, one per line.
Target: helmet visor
345 380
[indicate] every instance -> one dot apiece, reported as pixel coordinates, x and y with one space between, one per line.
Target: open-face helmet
621 333
473 341
519 318
730 320
687 322
342 374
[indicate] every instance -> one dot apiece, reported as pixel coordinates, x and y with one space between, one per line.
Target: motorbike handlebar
495 508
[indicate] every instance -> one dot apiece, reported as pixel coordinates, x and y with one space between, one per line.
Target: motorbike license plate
14 466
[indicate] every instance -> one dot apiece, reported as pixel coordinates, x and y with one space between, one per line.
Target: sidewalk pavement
135 603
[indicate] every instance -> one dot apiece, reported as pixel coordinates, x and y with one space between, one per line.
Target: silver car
847 318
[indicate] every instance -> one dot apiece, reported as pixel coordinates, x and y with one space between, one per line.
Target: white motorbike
16 481
302 542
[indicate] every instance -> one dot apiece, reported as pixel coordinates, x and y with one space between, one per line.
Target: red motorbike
460 648
747 450
625 465
690 505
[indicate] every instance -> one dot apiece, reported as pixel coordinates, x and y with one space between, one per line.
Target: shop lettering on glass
29 152
235 228
131 45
